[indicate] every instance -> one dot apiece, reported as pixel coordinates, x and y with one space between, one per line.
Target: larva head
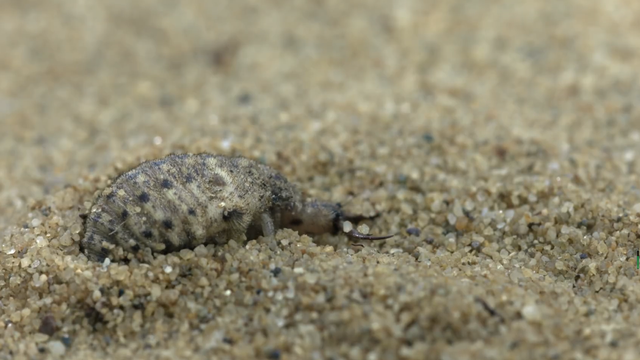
316 217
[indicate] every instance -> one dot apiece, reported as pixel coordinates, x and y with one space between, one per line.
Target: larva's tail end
92 247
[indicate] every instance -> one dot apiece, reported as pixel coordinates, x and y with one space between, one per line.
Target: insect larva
182 201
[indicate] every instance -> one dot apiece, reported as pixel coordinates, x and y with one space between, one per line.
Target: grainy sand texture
499 140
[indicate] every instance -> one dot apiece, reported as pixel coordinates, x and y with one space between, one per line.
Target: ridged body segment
182 201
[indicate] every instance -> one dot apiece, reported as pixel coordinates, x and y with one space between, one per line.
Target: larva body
182 201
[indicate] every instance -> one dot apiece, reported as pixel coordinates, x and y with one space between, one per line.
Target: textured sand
507 132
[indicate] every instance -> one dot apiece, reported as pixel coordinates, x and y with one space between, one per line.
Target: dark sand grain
507 134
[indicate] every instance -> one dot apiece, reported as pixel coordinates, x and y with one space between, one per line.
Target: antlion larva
182 201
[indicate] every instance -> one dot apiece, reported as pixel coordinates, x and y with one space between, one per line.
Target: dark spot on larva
168 224
189 236
217 180
231 214
147 234
124 214
192 211
110 196
296 222
144 197
166 183
189 179
169 247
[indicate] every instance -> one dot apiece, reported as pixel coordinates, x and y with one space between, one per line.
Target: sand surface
507 133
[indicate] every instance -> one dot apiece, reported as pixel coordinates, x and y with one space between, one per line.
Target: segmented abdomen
177 202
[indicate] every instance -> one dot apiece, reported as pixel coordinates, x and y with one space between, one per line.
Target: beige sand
507 132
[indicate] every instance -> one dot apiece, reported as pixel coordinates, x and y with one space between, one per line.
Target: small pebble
531 312
203 282
413 231
56 348
508 215
66 340
364 229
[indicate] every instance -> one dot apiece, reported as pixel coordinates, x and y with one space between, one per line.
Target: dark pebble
47 325
413 231
276 271
273 355
66 340
245 99
583 256
46 211
428 138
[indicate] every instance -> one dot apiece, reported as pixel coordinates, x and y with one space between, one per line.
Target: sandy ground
507 133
